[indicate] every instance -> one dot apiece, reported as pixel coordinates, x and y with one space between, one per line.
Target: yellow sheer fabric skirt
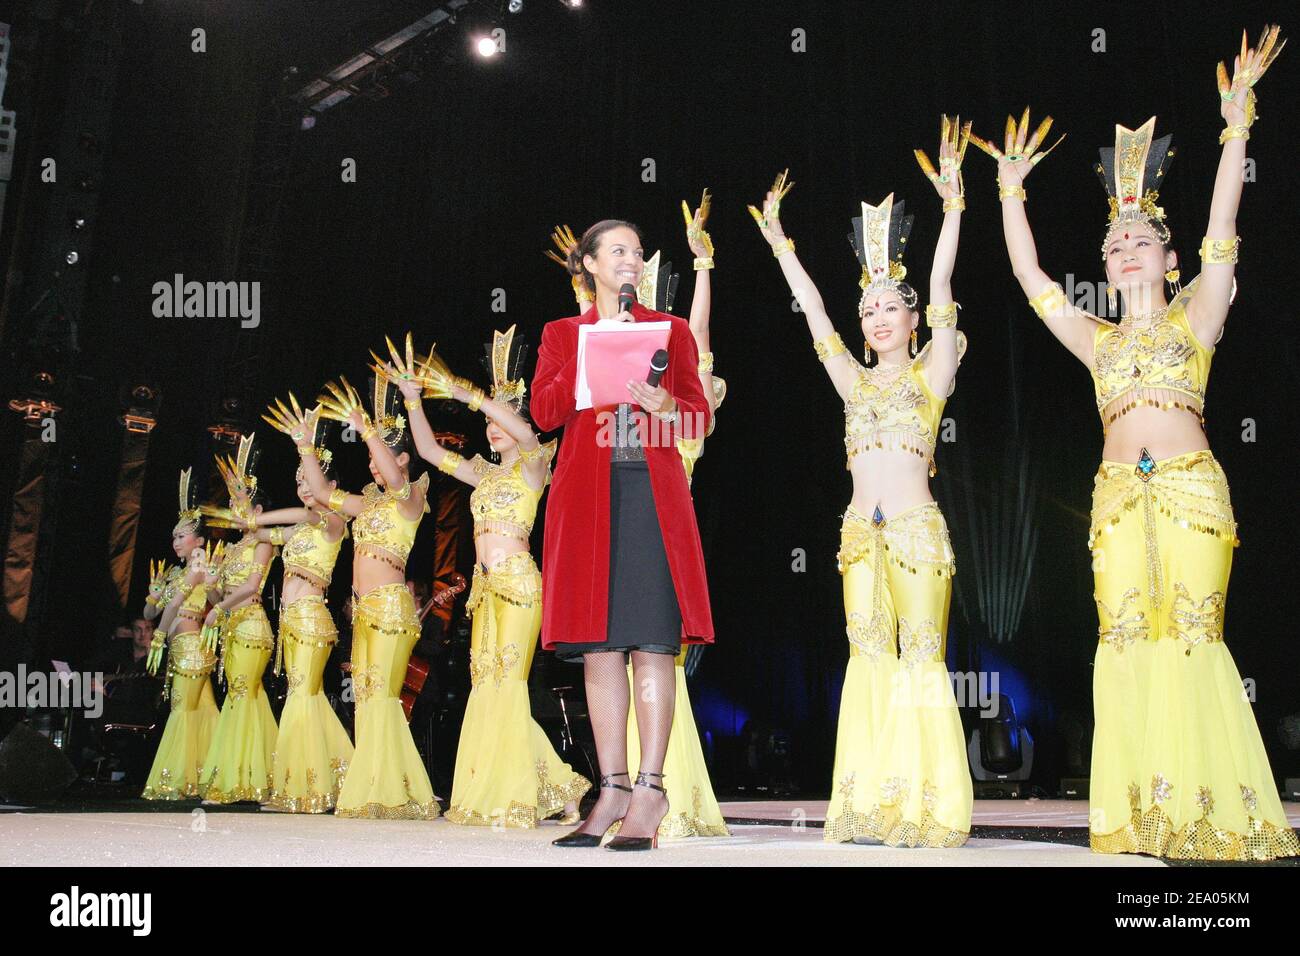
1178 766
507 772
238 764
313 750
693 809
386 779
177 771
901 773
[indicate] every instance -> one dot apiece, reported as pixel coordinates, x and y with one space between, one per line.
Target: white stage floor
190 837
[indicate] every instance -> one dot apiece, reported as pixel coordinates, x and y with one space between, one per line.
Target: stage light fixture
485 46
72 258
514 6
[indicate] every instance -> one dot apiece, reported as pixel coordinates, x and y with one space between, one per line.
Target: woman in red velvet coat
622 568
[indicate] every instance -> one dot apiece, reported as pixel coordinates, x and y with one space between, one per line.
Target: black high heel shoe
579 839
642 843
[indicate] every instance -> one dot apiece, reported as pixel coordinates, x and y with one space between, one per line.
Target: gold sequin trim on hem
411 810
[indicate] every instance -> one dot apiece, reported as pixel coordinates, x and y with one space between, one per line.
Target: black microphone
658 365
626 297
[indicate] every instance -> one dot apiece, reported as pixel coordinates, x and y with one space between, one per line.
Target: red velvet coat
575 546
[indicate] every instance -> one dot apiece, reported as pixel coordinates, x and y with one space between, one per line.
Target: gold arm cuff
277 537
1234 132
306 450
450 462
159 638
1049 300
476 396
337 498
368 429
941 316
703 262
781 248
411 404
536 454
955 204
706 363
1216 252
1012 192
829 347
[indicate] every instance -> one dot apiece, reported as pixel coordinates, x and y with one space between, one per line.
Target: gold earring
1112 297
867 355
914 342
1175 286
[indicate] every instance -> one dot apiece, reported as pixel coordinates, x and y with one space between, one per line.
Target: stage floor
783 833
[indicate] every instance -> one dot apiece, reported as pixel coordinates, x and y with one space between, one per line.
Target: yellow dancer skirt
901 773
386 779
313 750
238 764
692 808
507 772
1178 766
177 770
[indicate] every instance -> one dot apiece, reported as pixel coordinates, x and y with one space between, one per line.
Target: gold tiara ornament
189 518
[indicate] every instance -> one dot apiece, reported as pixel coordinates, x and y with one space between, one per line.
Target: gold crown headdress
385 400
237 472
566 242
505 360
189 518
879 238
1133 171
658 286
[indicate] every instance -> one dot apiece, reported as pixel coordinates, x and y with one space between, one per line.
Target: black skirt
643 611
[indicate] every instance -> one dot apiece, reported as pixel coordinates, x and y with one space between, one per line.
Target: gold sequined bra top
502 503
240 564
196 600
309 554
381 530
894 410
1156 362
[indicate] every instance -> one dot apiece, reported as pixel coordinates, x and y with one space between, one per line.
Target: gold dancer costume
387 779
313 751
507 773
177 769
238 763
1178 766
901 774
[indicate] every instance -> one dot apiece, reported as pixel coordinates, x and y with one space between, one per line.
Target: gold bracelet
536 454
450 462
1049 300
829 347
337 499
703 262
781 248
277 537
476 397
955 204
307 451
159 637
941 316
1011 192
1234 132
1217 252
411 404
706 363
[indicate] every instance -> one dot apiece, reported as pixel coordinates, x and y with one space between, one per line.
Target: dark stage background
462 174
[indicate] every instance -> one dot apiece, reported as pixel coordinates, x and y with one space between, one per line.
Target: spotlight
572 4
308 121
72 258
486 46
514 6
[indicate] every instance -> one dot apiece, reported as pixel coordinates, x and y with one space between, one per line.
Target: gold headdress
658 286
879 238
189 518
237 472
385 401
505 360
1132 171
566 242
